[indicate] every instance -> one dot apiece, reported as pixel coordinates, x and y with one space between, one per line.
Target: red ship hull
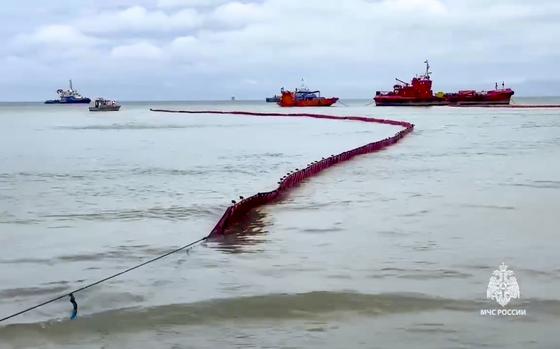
466 98
397 101
462 98
320 102
290 99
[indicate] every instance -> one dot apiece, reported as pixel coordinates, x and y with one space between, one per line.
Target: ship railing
382 93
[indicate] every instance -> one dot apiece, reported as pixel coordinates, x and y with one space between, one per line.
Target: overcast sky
215 49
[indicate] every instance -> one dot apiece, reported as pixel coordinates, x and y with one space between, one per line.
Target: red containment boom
239 209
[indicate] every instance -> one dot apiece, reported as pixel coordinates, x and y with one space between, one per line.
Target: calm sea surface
390 250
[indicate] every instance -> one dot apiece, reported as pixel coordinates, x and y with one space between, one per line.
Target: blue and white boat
70 96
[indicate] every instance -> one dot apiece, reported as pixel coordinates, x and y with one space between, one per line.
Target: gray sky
214 49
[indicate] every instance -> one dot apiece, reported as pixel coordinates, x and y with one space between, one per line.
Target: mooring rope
234 212
71 293
342 103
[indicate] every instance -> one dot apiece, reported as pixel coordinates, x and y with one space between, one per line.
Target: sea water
393 249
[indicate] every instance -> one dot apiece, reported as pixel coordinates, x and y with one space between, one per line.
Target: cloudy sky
215 49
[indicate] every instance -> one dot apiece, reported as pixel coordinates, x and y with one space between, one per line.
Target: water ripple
172 213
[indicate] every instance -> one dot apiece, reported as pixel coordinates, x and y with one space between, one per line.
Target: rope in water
234 212
71 293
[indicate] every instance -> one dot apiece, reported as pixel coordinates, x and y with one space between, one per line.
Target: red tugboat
417 93
303 97
471 98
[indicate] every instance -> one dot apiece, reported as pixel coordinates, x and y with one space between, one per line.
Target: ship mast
303 87
71 89
428 72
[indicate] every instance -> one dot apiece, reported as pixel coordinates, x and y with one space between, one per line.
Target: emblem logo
502 286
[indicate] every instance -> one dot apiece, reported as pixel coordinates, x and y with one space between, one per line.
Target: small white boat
101 104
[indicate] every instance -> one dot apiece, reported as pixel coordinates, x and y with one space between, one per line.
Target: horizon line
248 100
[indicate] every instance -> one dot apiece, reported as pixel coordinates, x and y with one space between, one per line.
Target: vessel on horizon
303 97
69 96
419 93
416 93
274 99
